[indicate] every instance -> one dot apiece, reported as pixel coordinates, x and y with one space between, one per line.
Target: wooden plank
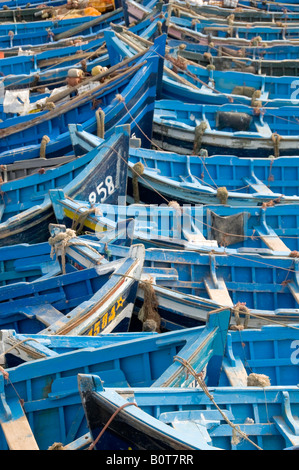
237 375
18 434
285 430
271 239
47 314
294 291
258 186
220 294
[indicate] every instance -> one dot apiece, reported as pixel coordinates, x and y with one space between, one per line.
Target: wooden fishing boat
19 348
44 35
194 283
182 419
84 302
271 351
187 285
41 68
192 180
186 29
271 61
127 97
194 84
240 13
230 128
223 229
249 13
26 207
232 33
54 411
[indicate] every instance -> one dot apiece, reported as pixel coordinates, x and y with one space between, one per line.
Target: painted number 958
103 190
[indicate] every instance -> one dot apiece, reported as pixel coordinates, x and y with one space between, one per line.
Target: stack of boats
149 246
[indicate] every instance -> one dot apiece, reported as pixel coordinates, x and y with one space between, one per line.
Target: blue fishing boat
252 14
18 348
79 302
184 29
226 129
186 285
269 33
25 65
35 26
127 97
255 287
28 262
187 179
218 418
269 231
270 352
54 413
194 84
271 61
26 210
49 68
45 35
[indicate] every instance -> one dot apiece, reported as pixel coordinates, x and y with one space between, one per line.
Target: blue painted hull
138 91
177 128
271 351
180 423
27 221
193 180
54 410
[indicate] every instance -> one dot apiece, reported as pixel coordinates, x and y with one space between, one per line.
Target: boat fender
148 314
236 121
244 91
276 138
258 380
222 195
100 118
198 135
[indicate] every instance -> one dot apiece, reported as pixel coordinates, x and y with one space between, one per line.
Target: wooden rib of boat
168 419
143 361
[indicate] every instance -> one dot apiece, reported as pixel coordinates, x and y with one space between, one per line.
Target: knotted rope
148 314
235 428
43 145
62 241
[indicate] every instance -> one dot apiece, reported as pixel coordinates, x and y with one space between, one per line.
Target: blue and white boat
214 418
196 179
230 128
26 210
21 136
53 413
221 228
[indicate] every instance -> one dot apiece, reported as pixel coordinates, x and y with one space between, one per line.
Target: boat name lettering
106 319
